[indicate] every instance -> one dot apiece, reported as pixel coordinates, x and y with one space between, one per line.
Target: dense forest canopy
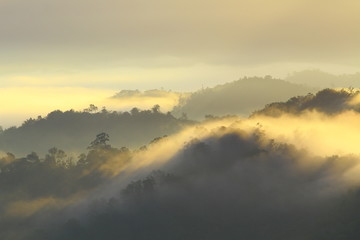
71 130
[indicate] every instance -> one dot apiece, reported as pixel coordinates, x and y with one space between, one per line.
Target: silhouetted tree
91 108
82 161
33 157
55 156
134 111
100 141
156 108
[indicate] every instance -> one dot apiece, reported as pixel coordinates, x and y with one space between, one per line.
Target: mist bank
227 179
125 100
22 102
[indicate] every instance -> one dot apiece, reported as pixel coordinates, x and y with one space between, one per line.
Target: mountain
238 97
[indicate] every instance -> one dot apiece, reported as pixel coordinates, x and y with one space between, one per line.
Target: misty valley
257 158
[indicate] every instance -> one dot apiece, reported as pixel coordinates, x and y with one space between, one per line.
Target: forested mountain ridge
71 130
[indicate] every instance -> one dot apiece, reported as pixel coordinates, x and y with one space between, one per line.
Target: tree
82 160
8 158
100 141
91 108
33 157
134 111
55 156
156 108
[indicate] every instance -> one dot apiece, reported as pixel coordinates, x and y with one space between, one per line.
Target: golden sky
59 38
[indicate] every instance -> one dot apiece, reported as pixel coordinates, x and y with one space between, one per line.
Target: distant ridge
239 97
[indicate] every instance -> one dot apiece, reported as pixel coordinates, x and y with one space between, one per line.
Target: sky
112 45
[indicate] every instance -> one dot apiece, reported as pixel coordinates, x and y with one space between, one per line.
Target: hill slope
329 101
73 131
239 97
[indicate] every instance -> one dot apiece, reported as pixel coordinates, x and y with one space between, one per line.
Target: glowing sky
179 45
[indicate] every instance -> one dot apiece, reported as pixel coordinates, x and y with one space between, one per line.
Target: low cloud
24 209
128 99
229 179
34 101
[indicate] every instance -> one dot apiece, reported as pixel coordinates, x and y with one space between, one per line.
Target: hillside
73 130
238 97
327 101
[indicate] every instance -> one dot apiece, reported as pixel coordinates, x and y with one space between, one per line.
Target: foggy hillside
238 97
232 187
72 130
226 179
328 101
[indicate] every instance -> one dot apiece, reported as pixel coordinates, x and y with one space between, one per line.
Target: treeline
71 130
329 101
32 183
57 173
